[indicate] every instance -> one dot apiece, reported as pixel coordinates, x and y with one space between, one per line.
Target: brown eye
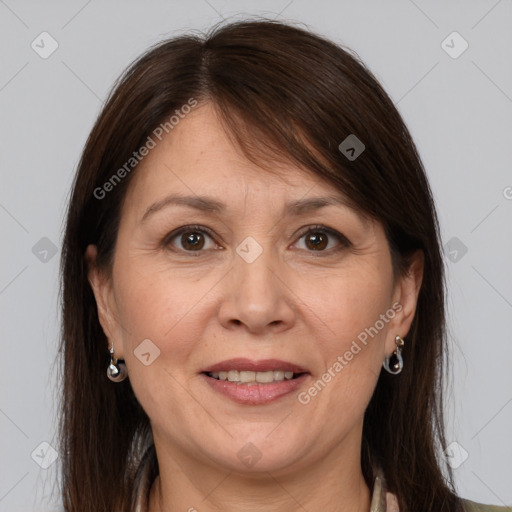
316 241
189 239
192 240
318 238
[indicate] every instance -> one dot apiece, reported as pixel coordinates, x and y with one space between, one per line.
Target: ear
103 292
405 293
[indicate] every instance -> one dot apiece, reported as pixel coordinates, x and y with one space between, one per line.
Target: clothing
382 500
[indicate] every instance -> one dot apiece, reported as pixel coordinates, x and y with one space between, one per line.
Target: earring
395 363
116 370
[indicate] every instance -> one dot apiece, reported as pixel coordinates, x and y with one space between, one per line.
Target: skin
295 302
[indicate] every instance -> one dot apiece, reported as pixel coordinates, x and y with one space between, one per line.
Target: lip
263 365
255 394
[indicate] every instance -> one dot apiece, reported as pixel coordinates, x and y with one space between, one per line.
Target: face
261 274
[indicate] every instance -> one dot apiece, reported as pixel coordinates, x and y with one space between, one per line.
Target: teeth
265 376
232 376
248 377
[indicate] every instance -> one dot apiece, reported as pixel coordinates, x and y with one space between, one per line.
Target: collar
382 500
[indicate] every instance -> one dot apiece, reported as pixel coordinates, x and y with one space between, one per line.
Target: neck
284 501
326 484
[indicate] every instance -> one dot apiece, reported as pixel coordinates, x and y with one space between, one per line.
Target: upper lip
262 365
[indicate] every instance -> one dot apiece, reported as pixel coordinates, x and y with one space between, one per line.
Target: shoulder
471 506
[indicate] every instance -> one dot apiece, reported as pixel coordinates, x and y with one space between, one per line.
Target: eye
317 239
195 238
190 238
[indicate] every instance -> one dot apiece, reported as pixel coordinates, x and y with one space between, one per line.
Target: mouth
252 378
247 371
255 382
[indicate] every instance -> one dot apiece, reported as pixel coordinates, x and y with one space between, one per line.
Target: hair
282 93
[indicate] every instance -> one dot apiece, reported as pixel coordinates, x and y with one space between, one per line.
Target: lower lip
255 394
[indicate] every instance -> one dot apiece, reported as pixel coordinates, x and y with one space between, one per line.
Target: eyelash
344 243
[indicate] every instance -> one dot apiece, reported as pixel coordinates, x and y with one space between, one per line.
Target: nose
257 297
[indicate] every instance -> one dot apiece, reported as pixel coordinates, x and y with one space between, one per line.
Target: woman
252 253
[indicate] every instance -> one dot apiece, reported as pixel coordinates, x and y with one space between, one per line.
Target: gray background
459 111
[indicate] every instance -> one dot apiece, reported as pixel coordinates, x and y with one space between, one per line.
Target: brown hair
299 96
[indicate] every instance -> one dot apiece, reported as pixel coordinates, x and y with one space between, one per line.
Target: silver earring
116 370
394 363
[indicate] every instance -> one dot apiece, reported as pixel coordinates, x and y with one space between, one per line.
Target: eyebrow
209 204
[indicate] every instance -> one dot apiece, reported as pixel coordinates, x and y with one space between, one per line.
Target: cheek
155 308
153 300
165 306
348 302
353 311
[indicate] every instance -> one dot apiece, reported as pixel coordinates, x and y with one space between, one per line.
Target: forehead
197 157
